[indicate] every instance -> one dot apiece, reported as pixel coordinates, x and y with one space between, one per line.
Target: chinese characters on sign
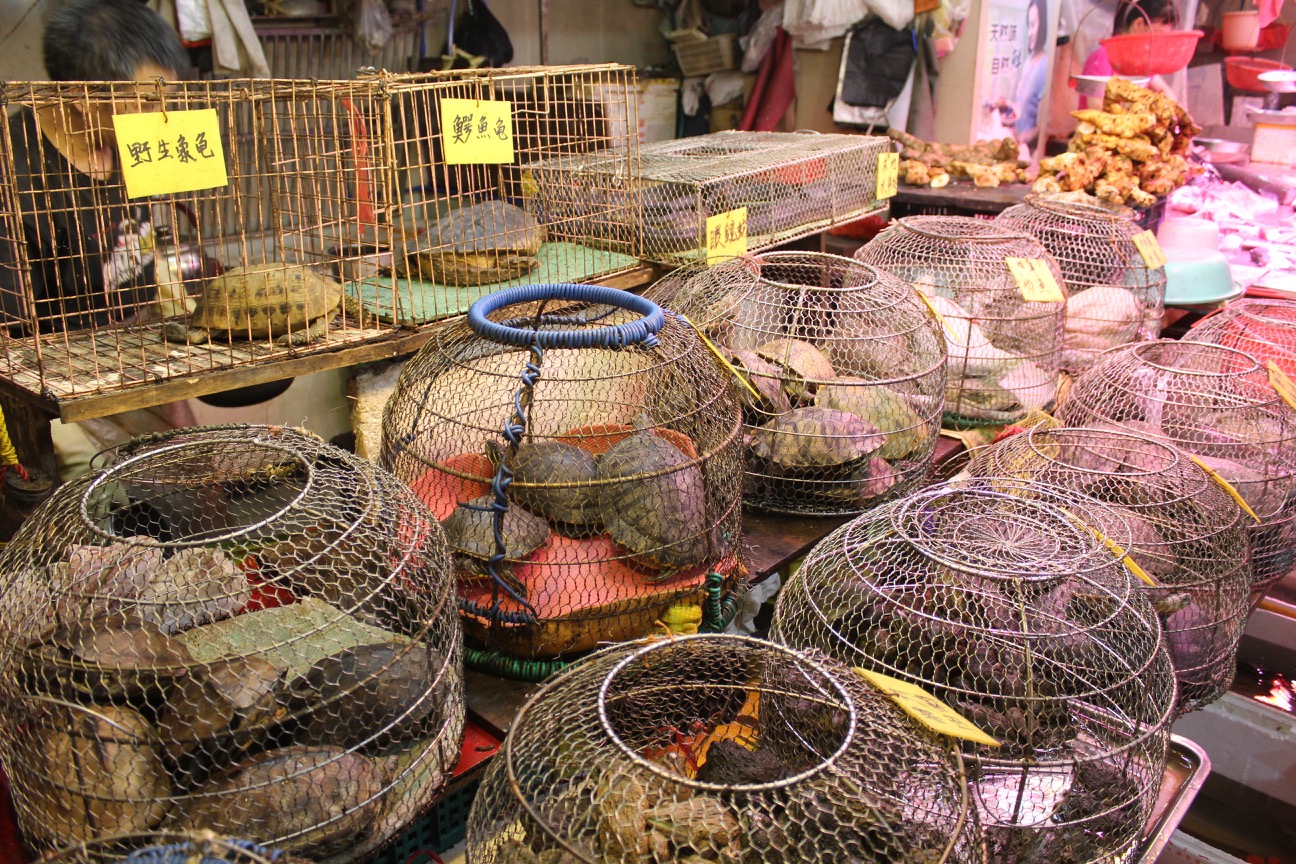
726 235
1035 280
477 132
888 175
162 154
1150 249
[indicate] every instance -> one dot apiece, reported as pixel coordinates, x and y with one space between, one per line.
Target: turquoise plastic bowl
1200 282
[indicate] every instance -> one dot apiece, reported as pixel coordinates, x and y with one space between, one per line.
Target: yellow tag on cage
1034 280
166 153
888 175
477 132
726 235
926 708
1225 485
1150 249
1279 381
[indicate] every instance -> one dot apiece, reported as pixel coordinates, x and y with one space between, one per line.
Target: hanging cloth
878 63
774 90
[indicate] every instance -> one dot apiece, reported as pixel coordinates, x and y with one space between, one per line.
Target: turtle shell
490 241
809 438
265 300
471 531
548 478
660 517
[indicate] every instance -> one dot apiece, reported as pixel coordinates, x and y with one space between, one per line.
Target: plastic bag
482 34
756 43
193 21
373 25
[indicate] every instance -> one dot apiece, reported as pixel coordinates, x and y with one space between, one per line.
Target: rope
717 611
502 666
8 454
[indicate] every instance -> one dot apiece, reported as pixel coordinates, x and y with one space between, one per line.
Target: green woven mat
420 302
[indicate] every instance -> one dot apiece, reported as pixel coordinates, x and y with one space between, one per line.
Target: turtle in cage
476 244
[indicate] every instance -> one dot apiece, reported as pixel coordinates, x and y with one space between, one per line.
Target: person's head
111 40
1037 25
1161 15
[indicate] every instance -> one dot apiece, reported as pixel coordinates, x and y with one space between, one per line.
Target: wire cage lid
724 747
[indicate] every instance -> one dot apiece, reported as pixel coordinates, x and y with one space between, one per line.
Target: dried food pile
988 163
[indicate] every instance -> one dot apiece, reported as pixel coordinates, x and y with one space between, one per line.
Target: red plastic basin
1158 53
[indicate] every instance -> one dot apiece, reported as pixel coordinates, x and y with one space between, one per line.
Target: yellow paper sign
1279 381
726 235
162 154
477 132
888 175
1150 249
1226 486
926 708
1035 280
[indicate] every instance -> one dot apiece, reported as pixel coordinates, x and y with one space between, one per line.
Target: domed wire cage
994 596
1217 404
1004 349
843 370
199 847
243 630
1113 296
1187 536
719 748
583 450
1265 329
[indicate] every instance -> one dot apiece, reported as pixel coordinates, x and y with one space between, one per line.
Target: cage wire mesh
1004 350
791 184
1113 296
1216 404
842 368
719 748
242 630
101 290
1187 536
197 847
585 459
994 596
459 231
1265 329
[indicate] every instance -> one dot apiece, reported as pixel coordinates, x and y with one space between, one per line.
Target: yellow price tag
1225 485
1150 249
477 132
1035 280
888 175
926 708
726 235
162 154
1279 381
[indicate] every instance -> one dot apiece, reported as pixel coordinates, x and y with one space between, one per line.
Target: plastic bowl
1095 86
1200 282
1243 73
1157 53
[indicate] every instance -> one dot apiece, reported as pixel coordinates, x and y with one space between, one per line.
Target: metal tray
1187 767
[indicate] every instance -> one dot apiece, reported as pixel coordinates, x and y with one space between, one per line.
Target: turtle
486 242
812 439
549 478
470 532
289 304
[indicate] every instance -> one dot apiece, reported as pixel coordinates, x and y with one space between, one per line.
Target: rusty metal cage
790 184
242 630
459 231
1187 536
102 290
1217 404
1113 296
583 451
843 375
720 748
1004 343
200 847
993 596
1265 329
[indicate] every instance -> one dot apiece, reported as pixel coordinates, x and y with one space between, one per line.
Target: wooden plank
494 702
772 541
965 196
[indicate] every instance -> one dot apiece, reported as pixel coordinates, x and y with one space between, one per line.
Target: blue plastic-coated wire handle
644 331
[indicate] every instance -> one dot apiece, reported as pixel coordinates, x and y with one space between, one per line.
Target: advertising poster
1015 65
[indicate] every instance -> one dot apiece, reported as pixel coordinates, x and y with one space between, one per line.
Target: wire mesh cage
1187 536
583 452
787 185
107 283
843 371
1216 404
719 748
1003 342
1113 296
1265 329
198 847
467 217
994 596
242 630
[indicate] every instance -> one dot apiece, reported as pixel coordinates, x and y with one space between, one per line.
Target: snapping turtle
659 511
289 304
490 241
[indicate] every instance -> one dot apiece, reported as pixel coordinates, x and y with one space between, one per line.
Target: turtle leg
315 330
178 331
355 310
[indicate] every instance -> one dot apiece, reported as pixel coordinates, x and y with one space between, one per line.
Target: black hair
108 40
1157 11
1041 34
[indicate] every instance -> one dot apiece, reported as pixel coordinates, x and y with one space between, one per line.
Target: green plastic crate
444 825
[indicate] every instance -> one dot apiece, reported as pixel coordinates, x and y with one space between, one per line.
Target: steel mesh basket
994 596
1215 403
1004 350
1265 329
843 373
1187 535
719 748
201 847
243 630
1113 296
583 452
